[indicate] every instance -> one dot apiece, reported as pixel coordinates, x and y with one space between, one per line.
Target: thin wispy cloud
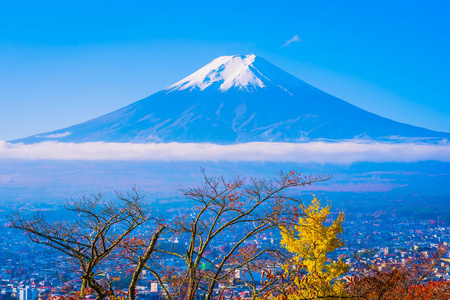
294 39
56 135
313 152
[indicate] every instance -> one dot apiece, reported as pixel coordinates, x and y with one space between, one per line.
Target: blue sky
65 62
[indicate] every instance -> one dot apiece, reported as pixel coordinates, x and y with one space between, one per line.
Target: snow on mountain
234 99
229 71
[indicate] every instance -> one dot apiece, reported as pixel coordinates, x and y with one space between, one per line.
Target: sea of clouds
346 152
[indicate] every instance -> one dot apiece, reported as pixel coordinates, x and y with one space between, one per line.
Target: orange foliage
407 281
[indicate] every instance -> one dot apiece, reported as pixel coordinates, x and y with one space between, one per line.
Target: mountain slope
237 99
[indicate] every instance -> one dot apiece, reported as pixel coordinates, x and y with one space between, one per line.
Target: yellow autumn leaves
309 241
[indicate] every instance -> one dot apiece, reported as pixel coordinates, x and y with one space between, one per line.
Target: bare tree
93 237
232 214
137 251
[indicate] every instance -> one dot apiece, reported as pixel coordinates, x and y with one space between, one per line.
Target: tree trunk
192 283
83 289
142 261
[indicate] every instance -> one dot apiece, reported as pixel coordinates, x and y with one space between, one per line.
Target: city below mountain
237 99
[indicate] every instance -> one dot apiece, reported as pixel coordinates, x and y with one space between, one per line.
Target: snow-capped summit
226 71
234 99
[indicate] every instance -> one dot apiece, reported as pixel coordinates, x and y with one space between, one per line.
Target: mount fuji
237 99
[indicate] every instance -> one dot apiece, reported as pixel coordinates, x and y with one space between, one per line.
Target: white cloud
56 135
314 152
295 38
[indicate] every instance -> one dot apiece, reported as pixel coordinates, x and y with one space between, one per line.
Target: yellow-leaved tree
314 276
